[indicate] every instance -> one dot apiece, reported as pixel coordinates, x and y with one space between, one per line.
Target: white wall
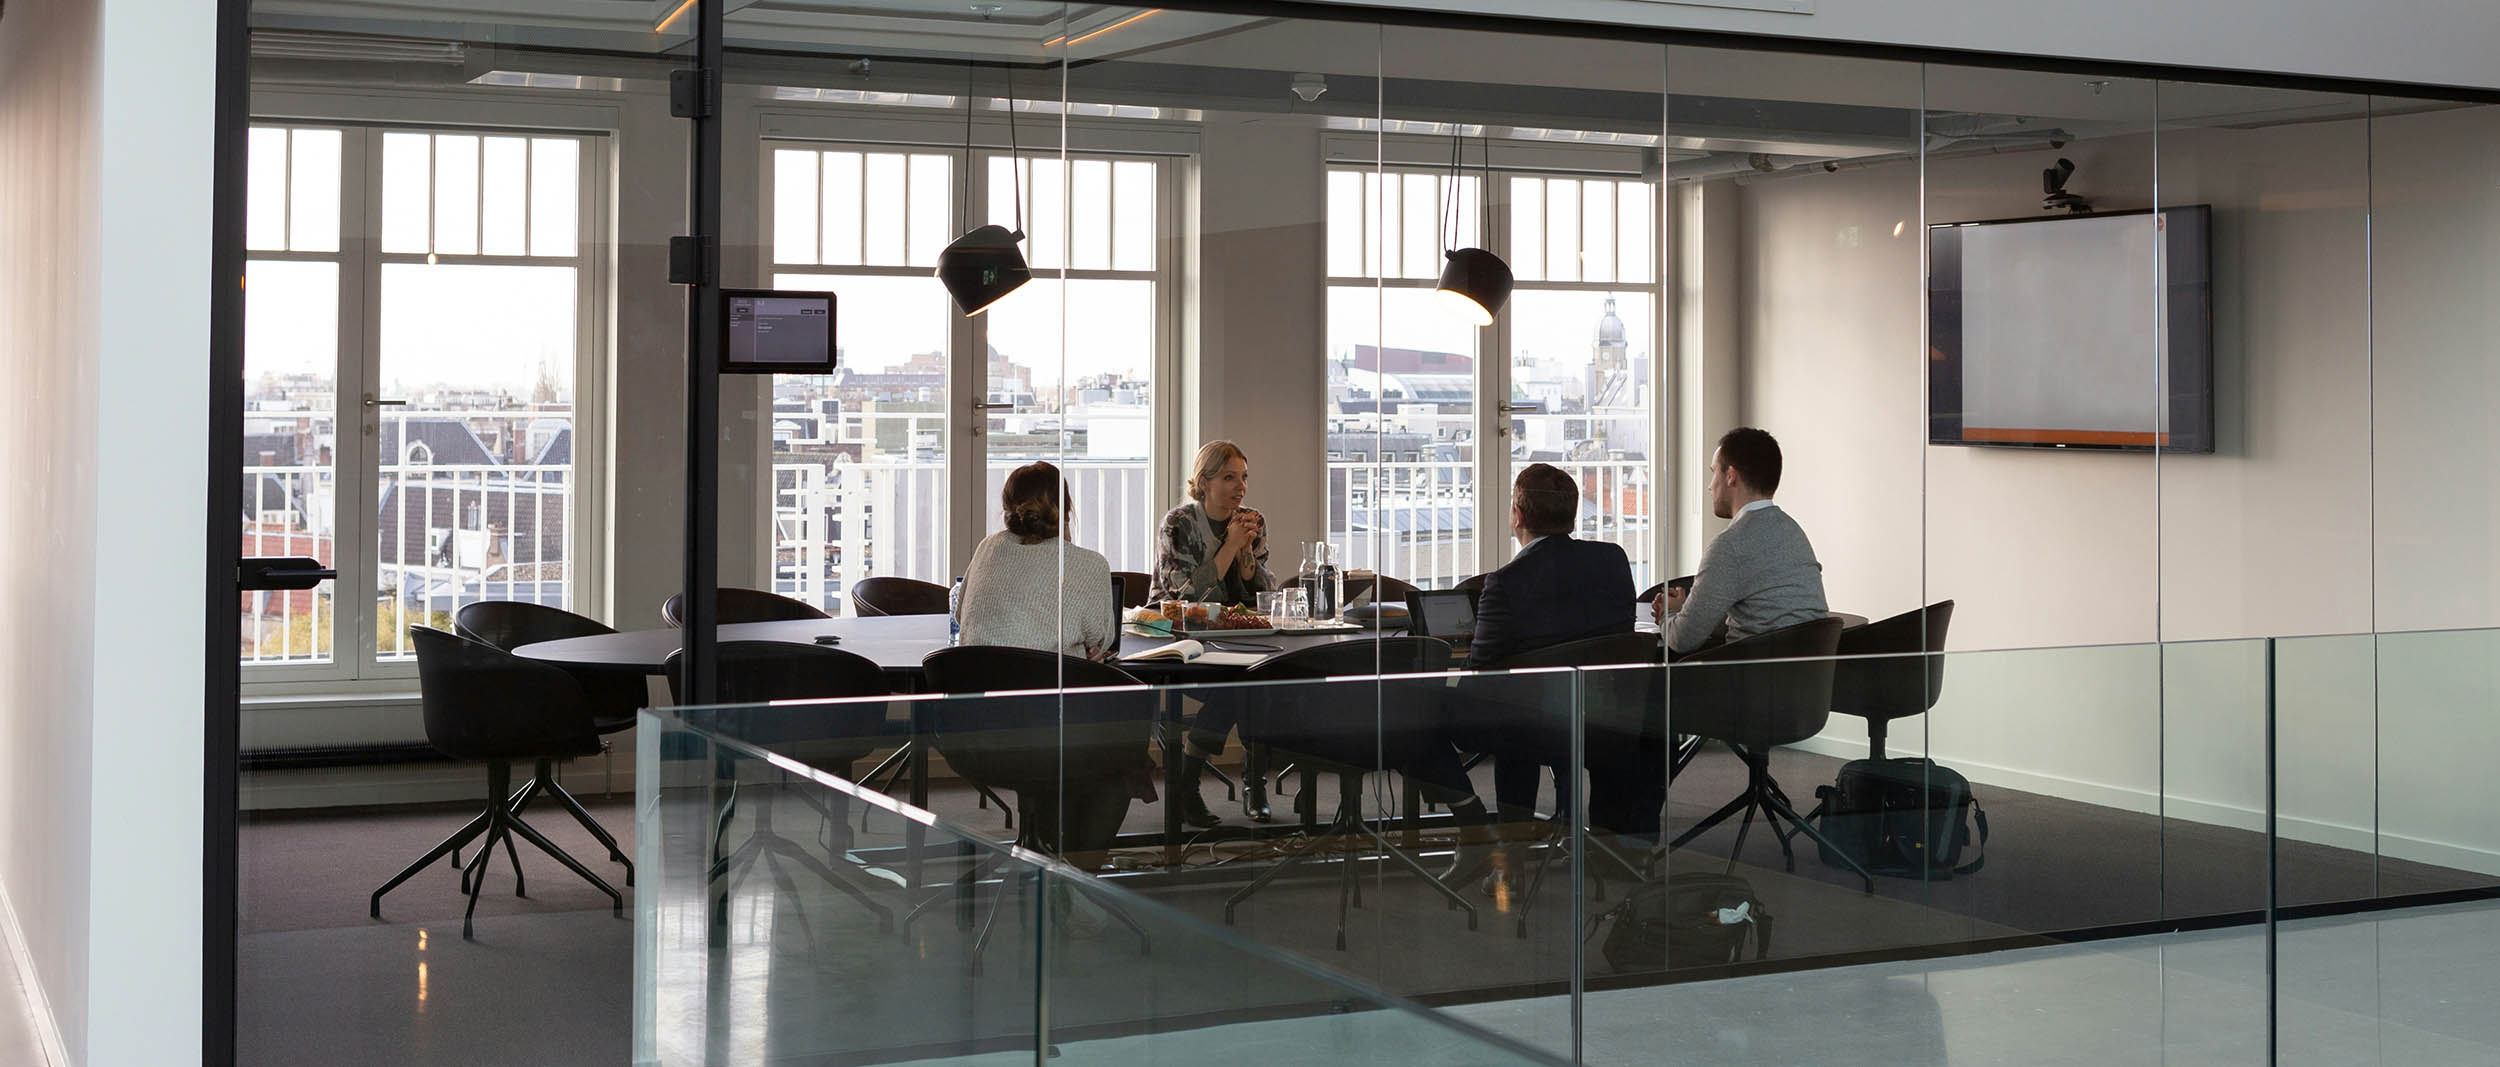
2355 478
49 114
104 286
2429 42
1255 340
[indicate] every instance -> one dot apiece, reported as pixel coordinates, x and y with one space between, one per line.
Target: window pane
264 220
314 213
794 206
475 491
1527 228
1089 411
859 456
843 207
1043 214
1406 393
507 196
407 191
1133 215
555 195
1637 234
1089 221
1423 220
455 194
1467 229
1345 223
290 399
932 201
1581 370
1562 230
1374 217
885 209
1597 231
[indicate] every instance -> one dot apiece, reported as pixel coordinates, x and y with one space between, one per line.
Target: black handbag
1906 818
1694 917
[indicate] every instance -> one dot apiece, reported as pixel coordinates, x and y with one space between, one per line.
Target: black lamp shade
985 265
1475 284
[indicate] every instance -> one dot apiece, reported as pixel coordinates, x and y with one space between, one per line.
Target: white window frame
355 664
1362 154
969 503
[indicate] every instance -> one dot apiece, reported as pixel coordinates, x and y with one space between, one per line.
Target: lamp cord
1449 215
1015 156
964 216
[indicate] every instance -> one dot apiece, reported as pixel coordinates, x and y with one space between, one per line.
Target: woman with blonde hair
1212 548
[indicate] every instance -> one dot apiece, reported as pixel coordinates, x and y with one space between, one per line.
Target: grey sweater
1014 594
1759 574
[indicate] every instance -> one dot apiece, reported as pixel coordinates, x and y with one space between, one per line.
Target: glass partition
1002 950
464 392
2139 431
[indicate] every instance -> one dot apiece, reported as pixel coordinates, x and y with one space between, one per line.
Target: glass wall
2132 494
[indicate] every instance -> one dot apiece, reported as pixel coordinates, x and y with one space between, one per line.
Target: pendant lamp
985 264
1475 283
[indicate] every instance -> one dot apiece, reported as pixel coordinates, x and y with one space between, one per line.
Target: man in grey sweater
1760 573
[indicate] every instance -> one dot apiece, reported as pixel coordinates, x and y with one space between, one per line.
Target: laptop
1119 596
1449 614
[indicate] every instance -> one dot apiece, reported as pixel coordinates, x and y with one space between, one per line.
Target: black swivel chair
1891 669
1473 583
1386 728
1623 751
1134 585
897 596
615 696
832 737
1065 756
742 605
483 704
1753 695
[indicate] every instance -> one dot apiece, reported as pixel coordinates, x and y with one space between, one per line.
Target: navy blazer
1556 590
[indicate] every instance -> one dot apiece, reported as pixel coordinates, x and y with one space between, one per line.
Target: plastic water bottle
955 614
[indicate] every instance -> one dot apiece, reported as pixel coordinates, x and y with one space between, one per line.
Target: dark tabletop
895 642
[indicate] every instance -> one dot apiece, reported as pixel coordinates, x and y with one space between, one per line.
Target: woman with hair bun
1013 593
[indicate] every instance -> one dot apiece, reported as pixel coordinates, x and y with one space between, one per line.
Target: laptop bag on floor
1694 918
1906 817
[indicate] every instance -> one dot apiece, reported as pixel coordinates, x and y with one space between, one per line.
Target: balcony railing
444 534
837 523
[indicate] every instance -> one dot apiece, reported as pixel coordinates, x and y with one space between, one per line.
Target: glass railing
787 914
1577 860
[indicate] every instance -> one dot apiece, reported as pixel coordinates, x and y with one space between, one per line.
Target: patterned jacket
1185 558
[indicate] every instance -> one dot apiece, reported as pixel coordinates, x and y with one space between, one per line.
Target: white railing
1416 519
445 535
281 517
836 523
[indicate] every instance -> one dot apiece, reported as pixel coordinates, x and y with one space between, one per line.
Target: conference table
897 644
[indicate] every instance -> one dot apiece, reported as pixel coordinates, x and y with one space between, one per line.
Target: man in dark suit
1557 589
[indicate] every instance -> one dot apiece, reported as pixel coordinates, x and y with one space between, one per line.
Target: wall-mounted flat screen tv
2047 333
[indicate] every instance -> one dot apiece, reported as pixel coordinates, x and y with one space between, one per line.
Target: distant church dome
1610 327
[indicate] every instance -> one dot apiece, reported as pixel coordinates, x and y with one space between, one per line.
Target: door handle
281 572
372 401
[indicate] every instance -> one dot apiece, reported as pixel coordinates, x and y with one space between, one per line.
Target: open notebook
1187 651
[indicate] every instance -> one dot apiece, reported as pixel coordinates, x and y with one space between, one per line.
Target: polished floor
800 972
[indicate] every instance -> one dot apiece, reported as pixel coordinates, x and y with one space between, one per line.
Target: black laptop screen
1443 613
